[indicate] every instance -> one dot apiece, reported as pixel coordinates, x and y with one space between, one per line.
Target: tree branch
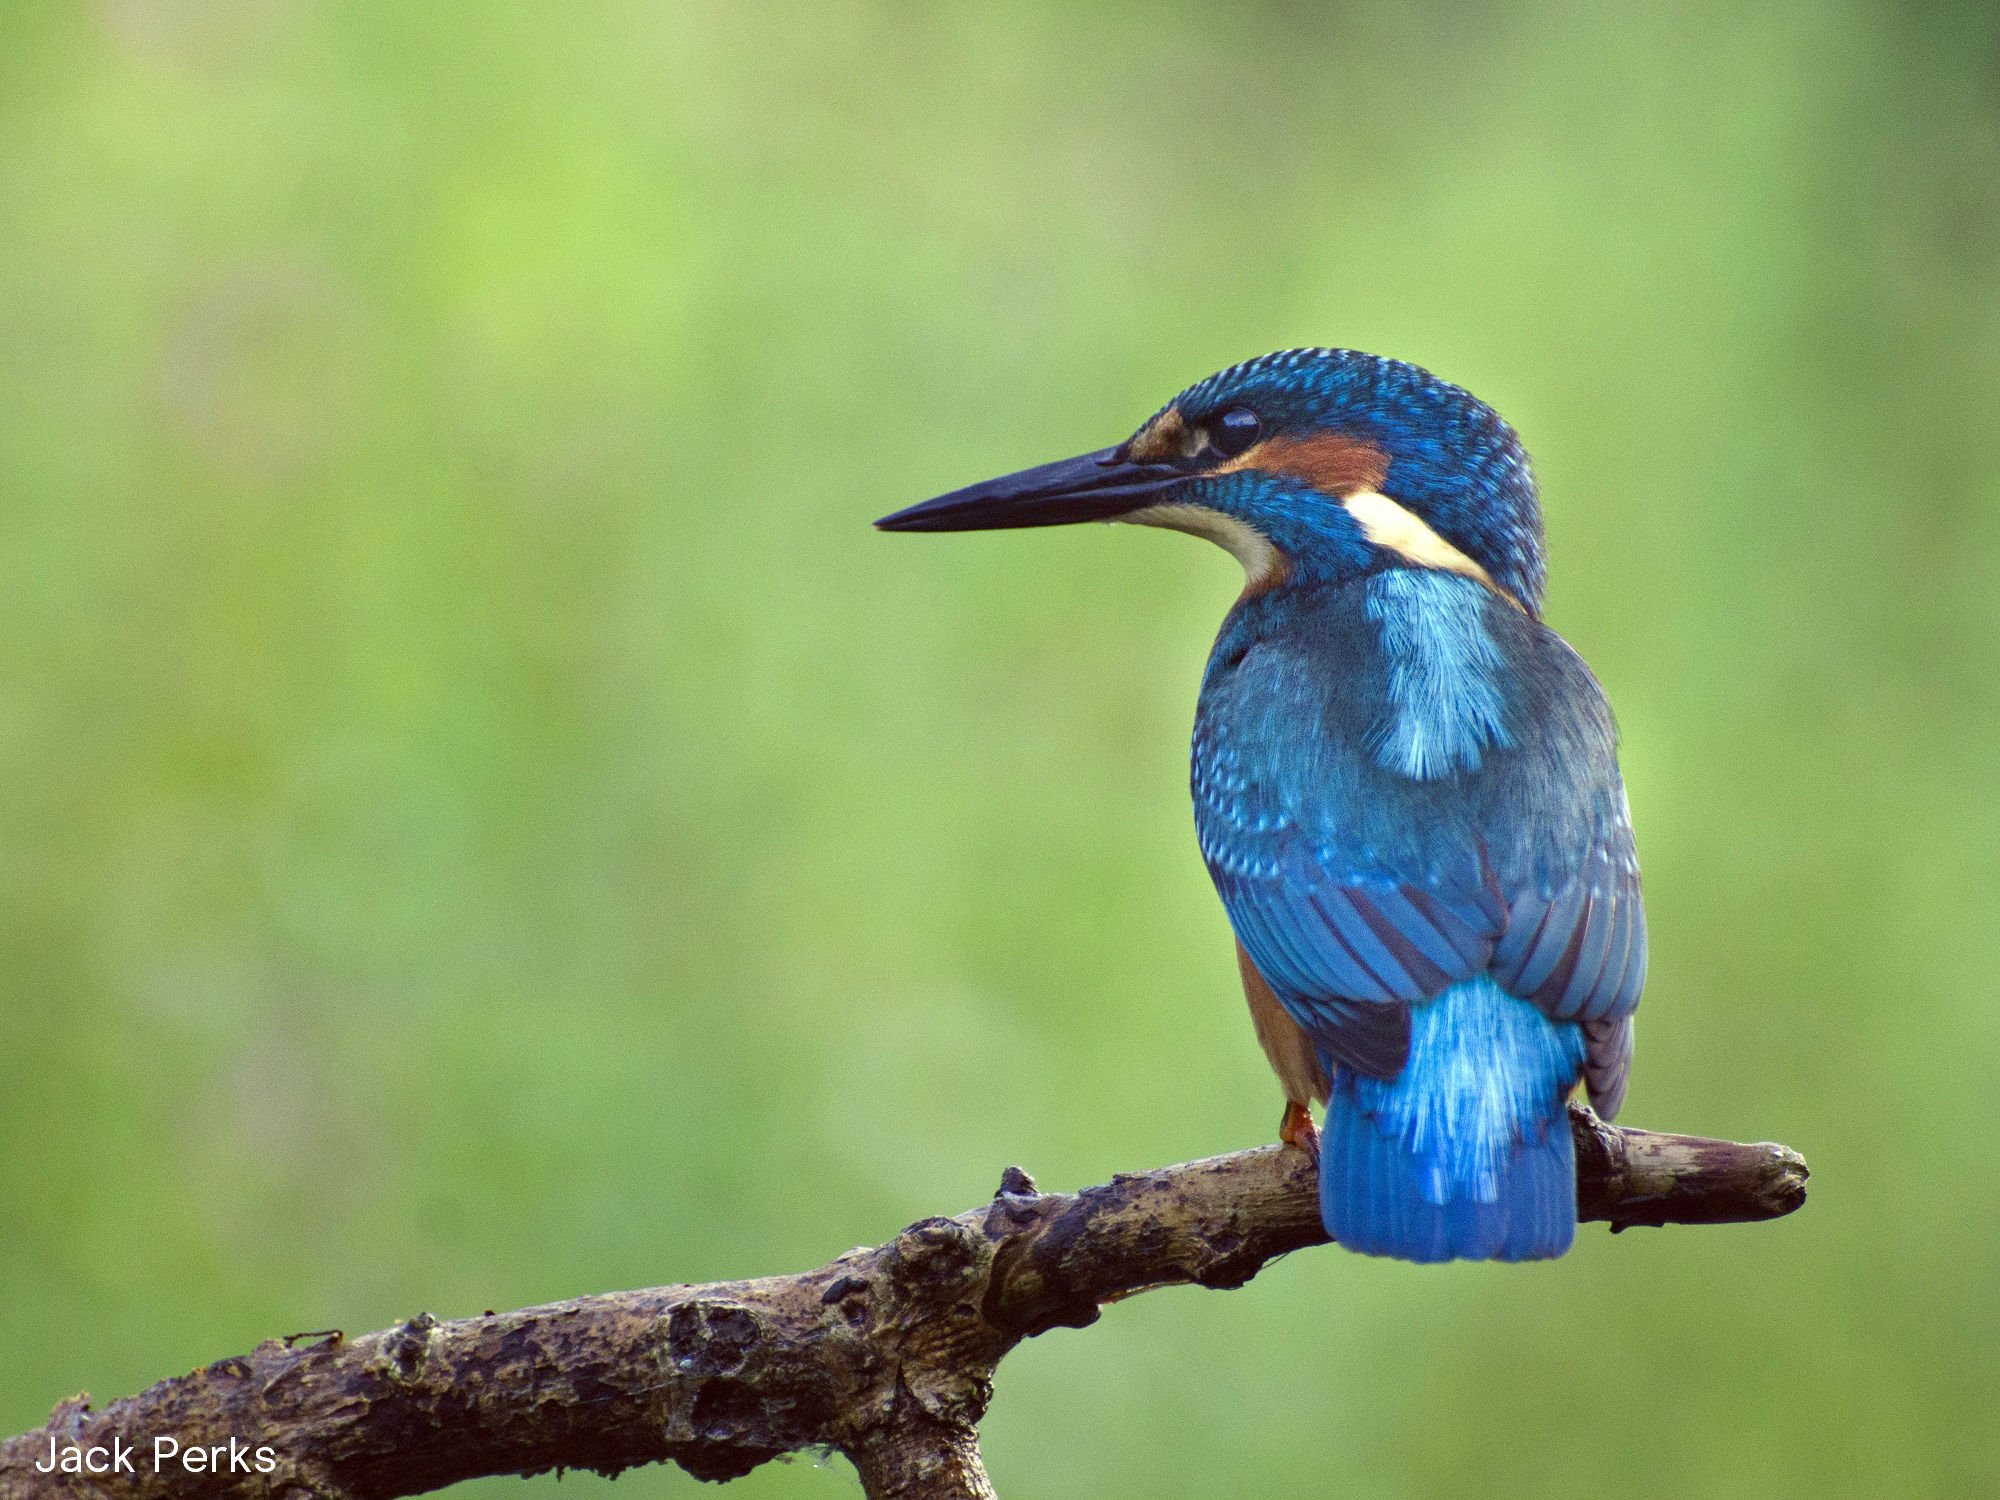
886 1354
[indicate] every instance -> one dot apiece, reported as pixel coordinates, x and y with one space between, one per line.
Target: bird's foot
1297 1129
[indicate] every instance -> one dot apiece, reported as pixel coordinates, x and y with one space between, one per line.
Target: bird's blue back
1406 790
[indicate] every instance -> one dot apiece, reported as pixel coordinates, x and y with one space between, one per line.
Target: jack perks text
120 1457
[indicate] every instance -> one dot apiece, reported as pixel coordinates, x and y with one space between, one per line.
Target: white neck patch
1396 528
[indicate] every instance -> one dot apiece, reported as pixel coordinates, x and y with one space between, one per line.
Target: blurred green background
485 820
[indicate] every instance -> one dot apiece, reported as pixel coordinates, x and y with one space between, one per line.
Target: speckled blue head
1335 421
1308 464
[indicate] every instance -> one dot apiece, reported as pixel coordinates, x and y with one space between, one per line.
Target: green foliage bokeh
483 819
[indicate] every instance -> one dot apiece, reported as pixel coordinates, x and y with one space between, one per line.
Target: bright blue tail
1464 1155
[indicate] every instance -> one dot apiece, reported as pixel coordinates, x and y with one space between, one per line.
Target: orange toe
1297 1129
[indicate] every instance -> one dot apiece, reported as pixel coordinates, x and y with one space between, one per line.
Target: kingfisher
1406 786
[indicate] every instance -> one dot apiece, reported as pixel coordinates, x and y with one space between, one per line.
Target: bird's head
1308 465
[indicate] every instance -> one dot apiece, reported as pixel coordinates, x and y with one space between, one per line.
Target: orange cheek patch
1330 462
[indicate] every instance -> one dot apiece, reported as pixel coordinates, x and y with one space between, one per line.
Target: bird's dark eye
1235 430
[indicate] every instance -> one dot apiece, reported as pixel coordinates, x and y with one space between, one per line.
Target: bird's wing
1607 1061
1347 944
1576 945
1358 892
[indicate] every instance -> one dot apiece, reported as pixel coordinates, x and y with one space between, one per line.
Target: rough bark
885 1354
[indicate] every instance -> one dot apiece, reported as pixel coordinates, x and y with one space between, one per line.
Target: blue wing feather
1359 890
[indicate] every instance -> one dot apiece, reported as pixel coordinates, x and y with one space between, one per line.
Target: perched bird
1406 785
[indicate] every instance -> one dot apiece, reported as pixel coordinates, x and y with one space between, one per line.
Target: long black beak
1096 487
